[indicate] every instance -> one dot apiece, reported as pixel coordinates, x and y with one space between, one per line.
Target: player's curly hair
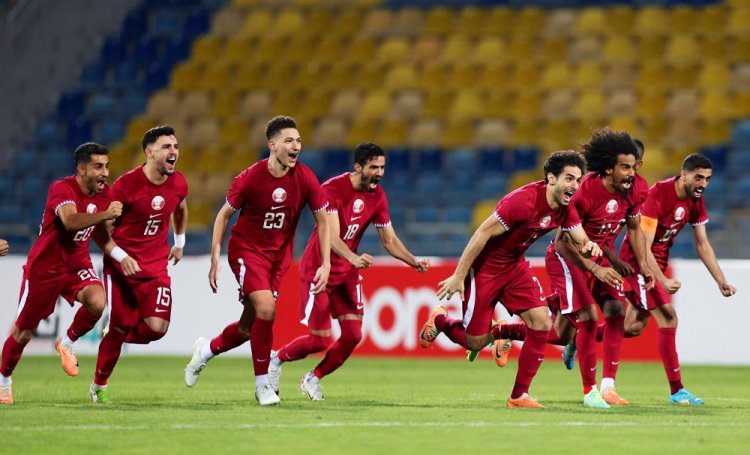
155 133
558 160
83 152
605 145
278 123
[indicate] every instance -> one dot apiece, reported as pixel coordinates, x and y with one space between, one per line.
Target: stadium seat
492 186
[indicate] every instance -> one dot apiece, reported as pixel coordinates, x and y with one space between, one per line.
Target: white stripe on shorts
568 285
309 305
25 295
243 269
472 299
642 291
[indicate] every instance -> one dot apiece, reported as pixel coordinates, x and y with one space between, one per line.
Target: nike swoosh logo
355 218
615 363
154 216
359 307
593 369
276 207
159 310
540 358
259 360
676 370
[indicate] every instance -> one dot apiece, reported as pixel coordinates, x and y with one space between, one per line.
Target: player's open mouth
100 183
568 195
294 156
374 182
699 191
171 160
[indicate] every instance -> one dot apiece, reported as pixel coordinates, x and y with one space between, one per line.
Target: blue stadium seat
740 193
132 103
125 74
428 186
166 22
197 23
462 161
25 160
93 75
157 76
31 190
398 160
718 156
79 131
70 104
741 135
100 106
429 159
313 159
48 131
109 131
457 214
523 158
6 191
492 159
113 51
426 214
492 186
336 161
453 244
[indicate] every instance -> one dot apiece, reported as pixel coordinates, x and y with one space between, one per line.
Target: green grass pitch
372 406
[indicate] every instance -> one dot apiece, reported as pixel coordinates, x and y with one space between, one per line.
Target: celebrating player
492 268
59 263
356 199
270 196
139 289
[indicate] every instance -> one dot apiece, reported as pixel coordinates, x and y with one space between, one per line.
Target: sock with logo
229 338
529 360
586 346
452 328
12 352
668 353
301 347
82 323
351 335
612 345
261 340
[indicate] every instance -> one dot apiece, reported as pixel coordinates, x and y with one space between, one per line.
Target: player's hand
114 210
648 279
4 247
422 265
591 249
321 279
362 261
670 285
607 275
450 286
130 266
213 276
175 254
727 290
622 267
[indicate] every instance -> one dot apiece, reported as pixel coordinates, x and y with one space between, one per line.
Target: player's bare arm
586 247
74 221
491 227
4 247
338 246
220 228
396 248
622 267
604 274
638 242
324 236
648 226
107 244
708 257
179 223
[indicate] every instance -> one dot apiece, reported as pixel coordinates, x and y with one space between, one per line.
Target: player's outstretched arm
571 252
324 236
4 247
491 227
338 246
74 221
396 248
220 228
649 225
107 244
708 257
179 223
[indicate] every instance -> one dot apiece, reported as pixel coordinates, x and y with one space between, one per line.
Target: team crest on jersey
157 203
544 222
278 195
679 214
612 206
359 205
91 208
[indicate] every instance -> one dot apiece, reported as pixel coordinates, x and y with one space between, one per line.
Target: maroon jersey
142 228
526 216
270 208
603 214
640 188
356 210
672 215
57 249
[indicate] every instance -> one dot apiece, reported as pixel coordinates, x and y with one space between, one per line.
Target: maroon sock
515 331
143 334
554 338
586 346
228 339
83 321
612 345
261 340
301 347
109 352
532 354
668 352
351 335
452 328
600 332
12 352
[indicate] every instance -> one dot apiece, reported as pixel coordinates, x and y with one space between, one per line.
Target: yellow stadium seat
521 178
650 48
345 104
682 49
202 133
257 23
520 48
244 5
462 75
683 19
714 75
619 48
552 48
436 103
714 131
528 21
186 75
651 103
497 103
524 76
248 77
585 49
234 132
206 48
716 105
739 50
237 51
439 22
433 75
162 105
525 132
426 49
488 50
456 49
392 133
491 132
738 22
216 185
492 76
227 22
361 50
556 75
482 210
316 103
467 104
621 102
588 75
378 22
401 77
499 21
278 77
425 133
318 21
339 76
216 77
241 158
558 104
712 21
592 21
362 130
458 133
624 122
714 47
652 130
740 78
408 22
682 104
681 132
651 21
619 75
375 105
620 19
195 179
741 102
268 50
370 76
393 50
407 105
683 76
194 104
330 132
652 76
560 22
526 105
255 104
557 134
286 23
470 20
590 107
299 48
330 48
286 102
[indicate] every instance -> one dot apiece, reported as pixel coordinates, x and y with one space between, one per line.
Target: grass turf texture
372 406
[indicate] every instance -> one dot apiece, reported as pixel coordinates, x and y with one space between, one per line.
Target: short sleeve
698 214
382 217
571 219
60 193
651 206
334 203
316 198
236 196
514 208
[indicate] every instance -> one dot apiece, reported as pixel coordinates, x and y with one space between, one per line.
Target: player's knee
157 325
320 343
244 331
351 337
633 330
22 336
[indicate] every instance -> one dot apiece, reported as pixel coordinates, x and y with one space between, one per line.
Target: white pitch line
260 426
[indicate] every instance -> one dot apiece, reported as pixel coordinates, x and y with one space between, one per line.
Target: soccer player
139 288
492 268
671 204
59 263
270 196
605 202
356 199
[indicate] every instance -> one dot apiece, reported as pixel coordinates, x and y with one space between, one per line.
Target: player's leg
586 345
261 341
12 352
530 359
614 329
666 319
155 311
